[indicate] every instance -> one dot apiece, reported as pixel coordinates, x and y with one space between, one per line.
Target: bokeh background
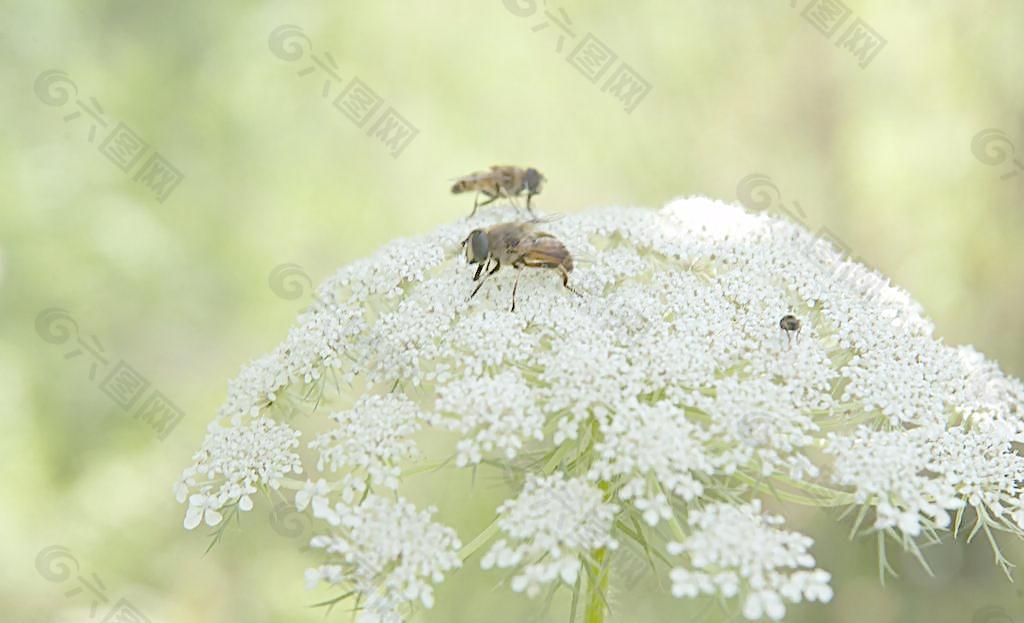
274 174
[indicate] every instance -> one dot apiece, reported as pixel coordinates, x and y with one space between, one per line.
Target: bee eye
478 246
533 179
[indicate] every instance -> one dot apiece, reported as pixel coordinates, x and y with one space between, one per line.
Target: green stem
820 496
597 588
599 568
468 549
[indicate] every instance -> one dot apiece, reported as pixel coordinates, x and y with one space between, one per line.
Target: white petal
193 516
212 517
312 577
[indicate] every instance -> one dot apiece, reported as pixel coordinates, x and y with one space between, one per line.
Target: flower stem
597 588
598 569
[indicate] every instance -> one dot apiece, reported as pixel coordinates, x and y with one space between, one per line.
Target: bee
500 180
519 245
790 324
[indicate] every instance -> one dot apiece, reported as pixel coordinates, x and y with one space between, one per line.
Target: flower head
664 398
736 549
233 462
549 525
388 551
373 437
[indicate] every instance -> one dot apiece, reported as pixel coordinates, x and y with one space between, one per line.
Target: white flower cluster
372 438
763 427
389 552
666 386
914 478
491 413
653 447
737 550
319 343
552 522
233 463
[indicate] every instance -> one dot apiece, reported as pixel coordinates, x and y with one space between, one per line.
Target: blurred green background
275 174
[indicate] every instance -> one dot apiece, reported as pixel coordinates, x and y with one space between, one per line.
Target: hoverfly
500 180
519 245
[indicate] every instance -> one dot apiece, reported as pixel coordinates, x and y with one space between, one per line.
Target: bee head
477 249
533 180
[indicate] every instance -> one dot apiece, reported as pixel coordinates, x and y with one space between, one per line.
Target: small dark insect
519 245
501 180
790 324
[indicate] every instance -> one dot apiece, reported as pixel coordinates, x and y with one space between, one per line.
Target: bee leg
480 269
511 197
478 286
565 282
528 208
519 273
497 265
492 199
476 204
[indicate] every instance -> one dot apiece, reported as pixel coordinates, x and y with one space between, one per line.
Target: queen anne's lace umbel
738 550
388 551
551 524
372 438
663 400
233 462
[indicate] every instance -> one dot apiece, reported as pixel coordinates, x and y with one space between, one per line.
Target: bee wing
471 177
543 259
541 249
